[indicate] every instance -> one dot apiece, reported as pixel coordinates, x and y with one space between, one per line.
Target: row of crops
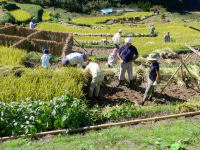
179 31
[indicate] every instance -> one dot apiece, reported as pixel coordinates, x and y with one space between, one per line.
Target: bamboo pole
191 75
174 74
102 126
80 45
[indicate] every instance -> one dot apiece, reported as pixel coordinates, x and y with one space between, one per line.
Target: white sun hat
128 40
87 54
120 30
153 56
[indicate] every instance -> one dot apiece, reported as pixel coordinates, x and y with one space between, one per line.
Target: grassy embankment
171 134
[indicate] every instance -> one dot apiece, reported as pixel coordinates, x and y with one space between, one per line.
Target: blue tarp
106 11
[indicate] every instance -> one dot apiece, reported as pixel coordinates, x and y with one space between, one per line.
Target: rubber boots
131 84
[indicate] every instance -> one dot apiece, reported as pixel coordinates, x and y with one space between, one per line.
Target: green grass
46 16
146 136
10 56
41 84
20 15
35 11
101 19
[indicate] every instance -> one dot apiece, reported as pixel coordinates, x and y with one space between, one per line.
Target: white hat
153 56
128 40
87 54
120 30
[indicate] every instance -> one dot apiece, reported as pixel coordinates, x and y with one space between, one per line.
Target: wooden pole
102 126
80 45
191 76
182 69
174 74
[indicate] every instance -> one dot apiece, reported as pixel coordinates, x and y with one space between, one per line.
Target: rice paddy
20 15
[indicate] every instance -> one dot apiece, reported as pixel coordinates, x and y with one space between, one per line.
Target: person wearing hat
45 59
117 39
127 54
97 78
75 58
154 76
32 25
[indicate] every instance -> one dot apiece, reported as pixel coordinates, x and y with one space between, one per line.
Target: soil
111 95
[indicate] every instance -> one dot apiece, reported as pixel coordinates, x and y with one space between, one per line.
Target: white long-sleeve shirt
94 69
75 58
32 25
45 61
117 39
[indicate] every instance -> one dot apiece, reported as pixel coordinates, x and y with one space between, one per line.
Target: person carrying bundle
75 58
97 78
117 39
154 76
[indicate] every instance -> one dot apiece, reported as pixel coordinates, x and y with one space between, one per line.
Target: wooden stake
191 76
182 69
174 74
102 126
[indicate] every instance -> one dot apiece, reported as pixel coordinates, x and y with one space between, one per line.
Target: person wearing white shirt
112 59
117 39
97 78
45 59
75 58
32 24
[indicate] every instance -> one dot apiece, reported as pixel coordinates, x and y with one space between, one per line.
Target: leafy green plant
32 116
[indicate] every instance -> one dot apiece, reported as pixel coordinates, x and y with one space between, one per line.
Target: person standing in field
97 78
167 37
154 76
45 59
152 29
127 54
75 58
32 25
117 39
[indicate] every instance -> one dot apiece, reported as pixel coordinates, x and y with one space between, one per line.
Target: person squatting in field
45 59
117 39
127 54
154 76
75 58
97 78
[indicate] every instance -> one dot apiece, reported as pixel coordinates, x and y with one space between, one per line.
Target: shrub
33 116
36 11
7 18
20 15
41 84
11 56
9 6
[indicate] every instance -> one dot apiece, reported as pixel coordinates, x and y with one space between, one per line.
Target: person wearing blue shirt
154 76
127 54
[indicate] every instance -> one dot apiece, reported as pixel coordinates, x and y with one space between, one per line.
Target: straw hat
153 56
